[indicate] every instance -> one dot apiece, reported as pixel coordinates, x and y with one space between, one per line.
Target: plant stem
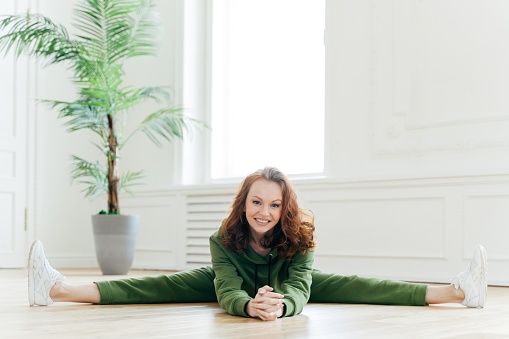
113 204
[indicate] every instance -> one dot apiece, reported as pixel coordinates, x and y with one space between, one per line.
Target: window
267 86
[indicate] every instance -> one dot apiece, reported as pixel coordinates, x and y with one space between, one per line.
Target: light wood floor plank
68 320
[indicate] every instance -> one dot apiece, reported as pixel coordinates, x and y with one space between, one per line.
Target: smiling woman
270 217
273 242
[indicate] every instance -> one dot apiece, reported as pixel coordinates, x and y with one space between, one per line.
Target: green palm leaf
80 116
165 123
116 30
92 175
36 35
130 179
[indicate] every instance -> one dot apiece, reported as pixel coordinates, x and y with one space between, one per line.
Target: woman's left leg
358 290
468 288
444 294
333 288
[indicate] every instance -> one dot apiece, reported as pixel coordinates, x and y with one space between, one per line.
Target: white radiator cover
204 215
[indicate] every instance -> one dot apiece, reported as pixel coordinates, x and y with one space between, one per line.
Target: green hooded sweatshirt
240 274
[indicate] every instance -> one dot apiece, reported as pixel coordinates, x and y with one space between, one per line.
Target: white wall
16 86
418 88
417 159
417 119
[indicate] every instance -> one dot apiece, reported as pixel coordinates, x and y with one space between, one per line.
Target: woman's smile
263 207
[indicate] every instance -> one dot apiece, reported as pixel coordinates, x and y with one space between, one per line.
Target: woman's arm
297 288
228 283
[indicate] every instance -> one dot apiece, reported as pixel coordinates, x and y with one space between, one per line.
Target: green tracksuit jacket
234 278
239 275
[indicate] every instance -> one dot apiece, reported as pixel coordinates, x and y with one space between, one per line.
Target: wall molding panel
418 106
160 219
486 215
381 228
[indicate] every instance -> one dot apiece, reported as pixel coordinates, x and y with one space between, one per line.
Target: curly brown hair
294 233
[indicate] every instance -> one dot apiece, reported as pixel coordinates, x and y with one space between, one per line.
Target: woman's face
263 207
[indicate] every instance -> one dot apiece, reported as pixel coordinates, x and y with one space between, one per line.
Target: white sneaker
41 276
473 281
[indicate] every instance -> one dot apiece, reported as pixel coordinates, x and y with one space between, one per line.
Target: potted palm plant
110 32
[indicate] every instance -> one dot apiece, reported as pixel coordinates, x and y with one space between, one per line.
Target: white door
14 88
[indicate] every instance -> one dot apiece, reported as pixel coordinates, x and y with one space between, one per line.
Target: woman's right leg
46 285
189 286
88 293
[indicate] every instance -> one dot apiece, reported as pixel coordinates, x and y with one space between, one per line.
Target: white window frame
195 152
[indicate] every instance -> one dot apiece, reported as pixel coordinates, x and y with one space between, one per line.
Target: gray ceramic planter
115 242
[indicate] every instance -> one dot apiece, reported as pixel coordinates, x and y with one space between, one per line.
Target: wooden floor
67 320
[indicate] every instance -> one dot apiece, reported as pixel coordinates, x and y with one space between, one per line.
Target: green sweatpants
198 286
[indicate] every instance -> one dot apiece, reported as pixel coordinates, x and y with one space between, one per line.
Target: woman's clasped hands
266 305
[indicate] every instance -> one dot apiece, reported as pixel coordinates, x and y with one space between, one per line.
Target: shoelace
54 275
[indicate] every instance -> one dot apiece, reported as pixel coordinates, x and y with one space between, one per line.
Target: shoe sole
31 283
484 282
